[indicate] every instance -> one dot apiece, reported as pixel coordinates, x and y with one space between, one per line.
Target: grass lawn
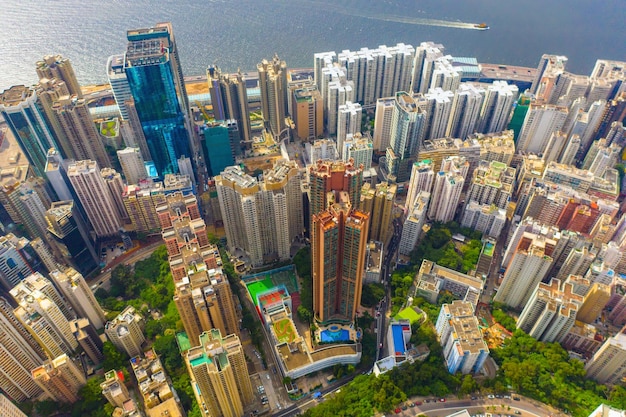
409 314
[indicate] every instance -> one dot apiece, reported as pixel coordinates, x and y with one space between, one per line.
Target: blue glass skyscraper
19 109
156 83
220 141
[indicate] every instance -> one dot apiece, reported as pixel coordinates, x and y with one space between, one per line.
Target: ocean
239 33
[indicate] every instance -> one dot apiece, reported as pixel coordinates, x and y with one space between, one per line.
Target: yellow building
593 303
219 375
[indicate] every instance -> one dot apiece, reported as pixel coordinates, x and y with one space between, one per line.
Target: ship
481 26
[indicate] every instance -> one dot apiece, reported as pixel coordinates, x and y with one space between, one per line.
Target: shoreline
488 71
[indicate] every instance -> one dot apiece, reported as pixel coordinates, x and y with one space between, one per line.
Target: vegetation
361 397
372 294
367 394
149 286
499 315
438 246
545 372
302 261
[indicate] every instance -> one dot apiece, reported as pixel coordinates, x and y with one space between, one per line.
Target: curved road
102 280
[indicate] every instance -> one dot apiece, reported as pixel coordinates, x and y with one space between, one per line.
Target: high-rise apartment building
425 57
385 108
202 293
19 353
416 217
447 189
541 121
88 339
8 409
95 197
60 378
13 266
66 111
379 72
492 183
497 106
72 114
126 331
44 319
326 176
608 364
18 107
407 133
115 184
308 112
273 85
550 311
132 165
339 239
57 67
261 217
549 67
156 391
119 83
465 112
359 148
464 348
422 179
221 142
25 201
76 291
156 83
378 202
438 110
596 298
219 375
114 389
529 264
69 233
486 218
348 123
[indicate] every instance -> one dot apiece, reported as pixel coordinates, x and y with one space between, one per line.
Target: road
102 280
382 309
503 406
492 277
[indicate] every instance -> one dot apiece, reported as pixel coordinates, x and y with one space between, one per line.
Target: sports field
409 314
259 287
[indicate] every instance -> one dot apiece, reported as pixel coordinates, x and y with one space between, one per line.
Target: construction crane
204 113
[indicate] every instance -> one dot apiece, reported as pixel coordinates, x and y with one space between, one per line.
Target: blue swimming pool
335 335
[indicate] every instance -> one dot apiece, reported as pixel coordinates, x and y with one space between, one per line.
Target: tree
113 358
468 385
372 294
304 314
46 408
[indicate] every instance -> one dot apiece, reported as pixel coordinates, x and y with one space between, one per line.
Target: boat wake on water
425 22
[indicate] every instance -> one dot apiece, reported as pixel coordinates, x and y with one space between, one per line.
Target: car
411 405
491 396
442 400
516 398
474 398
398 410
518 412
404 407
508 397
268 377
417 403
